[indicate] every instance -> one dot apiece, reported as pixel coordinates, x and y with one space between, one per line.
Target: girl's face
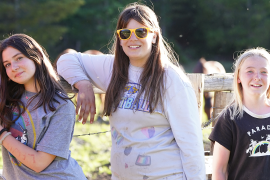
19 68
254 77
138 50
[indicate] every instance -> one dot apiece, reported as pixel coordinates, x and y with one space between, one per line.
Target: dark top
248 140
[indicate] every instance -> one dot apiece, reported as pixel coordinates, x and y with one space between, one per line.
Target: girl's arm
35 160
181 110
79 70
220 162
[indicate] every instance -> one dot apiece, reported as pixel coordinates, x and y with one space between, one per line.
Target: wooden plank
197 81
218 82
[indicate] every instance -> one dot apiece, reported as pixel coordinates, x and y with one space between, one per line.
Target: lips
256 85
134 47
18 74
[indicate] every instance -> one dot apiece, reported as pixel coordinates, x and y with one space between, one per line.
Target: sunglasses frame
133 31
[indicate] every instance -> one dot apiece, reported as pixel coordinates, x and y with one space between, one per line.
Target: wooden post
197 81
221 100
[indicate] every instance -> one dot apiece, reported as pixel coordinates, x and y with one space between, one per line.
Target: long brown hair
45 77
152 79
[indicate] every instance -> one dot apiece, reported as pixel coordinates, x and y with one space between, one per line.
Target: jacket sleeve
182 113
74 67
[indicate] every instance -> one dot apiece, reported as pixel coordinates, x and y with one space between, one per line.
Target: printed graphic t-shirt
248 140
49 132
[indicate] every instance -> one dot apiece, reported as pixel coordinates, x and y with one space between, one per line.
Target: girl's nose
14 66
133 36
257 76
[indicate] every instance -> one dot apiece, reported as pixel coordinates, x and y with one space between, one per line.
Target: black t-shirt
248 140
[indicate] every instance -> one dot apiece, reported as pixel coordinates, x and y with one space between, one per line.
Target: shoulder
175 76
63 105
226 115
101 57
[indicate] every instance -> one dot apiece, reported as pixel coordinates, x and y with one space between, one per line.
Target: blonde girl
242 132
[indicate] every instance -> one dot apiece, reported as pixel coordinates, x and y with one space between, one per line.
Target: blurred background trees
213 29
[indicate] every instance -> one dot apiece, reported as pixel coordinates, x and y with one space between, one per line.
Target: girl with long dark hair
151 104
37 117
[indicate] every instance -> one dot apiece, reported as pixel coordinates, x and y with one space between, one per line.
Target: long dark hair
45 76
152 79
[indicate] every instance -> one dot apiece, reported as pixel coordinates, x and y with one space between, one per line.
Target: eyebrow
254 67
13 56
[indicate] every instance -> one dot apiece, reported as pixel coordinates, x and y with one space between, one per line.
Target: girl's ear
154 38
238 80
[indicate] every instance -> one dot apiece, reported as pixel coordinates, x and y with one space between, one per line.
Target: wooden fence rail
212 82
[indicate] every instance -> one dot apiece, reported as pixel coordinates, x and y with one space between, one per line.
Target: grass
92 152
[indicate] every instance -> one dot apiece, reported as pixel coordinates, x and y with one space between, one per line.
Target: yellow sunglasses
140 33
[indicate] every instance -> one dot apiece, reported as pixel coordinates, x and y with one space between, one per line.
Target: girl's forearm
219 175
37 161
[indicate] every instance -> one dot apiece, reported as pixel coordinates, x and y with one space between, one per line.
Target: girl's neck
257 105
32 88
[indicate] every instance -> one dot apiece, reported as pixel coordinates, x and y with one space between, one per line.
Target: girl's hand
85 101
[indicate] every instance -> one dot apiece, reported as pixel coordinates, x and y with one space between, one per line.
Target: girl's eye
8 64
264 72
19 58
249 71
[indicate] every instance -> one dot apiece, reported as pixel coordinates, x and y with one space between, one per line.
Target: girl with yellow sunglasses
151 104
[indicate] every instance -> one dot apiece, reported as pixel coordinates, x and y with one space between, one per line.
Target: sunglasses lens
141 32
124 34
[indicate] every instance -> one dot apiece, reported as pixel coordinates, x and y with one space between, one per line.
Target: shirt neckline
135 68
260 116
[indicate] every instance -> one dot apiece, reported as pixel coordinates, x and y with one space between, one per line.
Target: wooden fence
220 84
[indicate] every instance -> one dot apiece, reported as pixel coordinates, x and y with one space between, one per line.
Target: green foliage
220 27
39 19
93 25
196 28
